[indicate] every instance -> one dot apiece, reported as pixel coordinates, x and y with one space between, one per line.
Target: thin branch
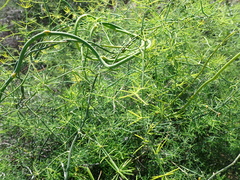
223 169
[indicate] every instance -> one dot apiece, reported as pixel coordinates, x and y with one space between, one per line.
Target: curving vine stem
76 39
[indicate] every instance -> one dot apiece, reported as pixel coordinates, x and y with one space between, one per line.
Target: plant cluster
122 90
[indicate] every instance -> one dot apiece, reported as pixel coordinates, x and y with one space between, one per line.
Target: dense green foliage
170 112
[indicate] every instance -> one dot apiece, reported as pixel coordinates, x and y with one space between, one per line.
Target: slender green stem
78 20
202 9
4 5
77 24
208 81
69 157
81 126
204 66
62 34
225 168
